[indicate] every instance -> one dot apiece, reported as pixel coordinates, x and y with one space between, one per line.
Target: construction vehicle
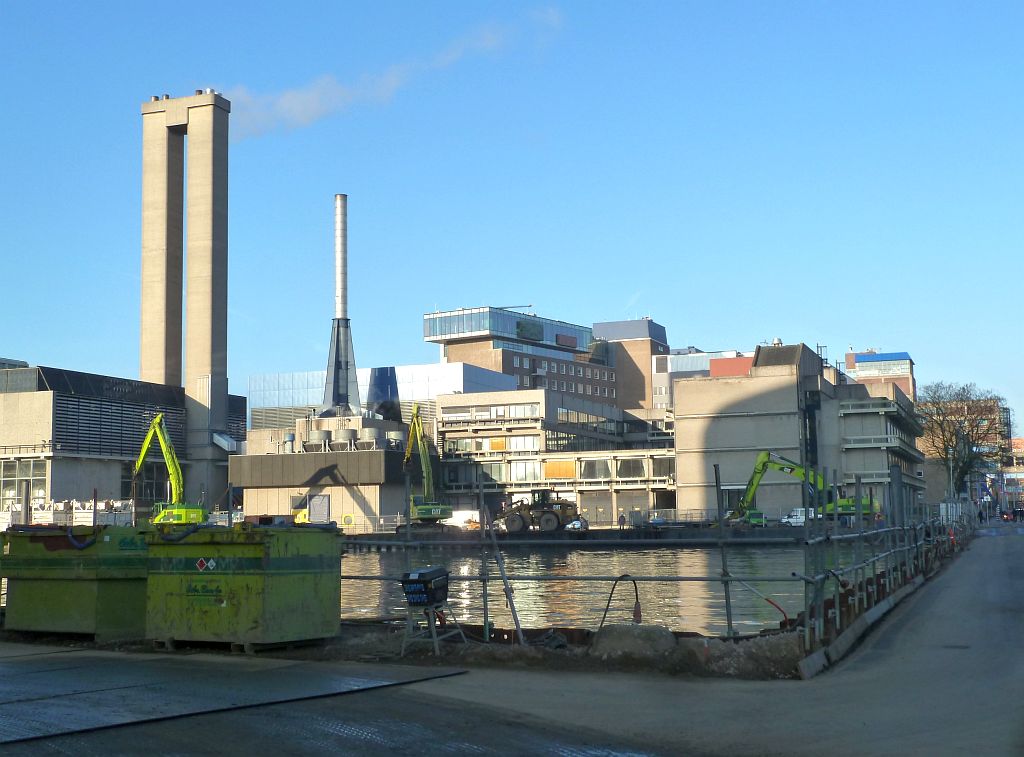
423 508
766 460
174 510
542 510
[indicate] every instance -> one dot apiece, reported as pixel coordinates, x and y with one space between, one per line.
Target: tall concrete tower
168 209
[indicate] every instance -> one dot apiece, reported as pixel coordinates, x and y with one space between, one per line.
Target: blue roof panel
878 357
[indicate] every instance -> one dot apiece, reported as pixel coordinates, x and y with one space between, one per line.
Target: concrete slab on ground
49 691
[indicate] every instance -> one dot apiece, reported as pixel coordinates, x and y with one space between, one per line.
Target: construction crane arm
157 429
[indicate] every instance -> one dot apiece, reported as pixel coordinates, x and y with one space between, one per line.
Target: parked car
579 524
797 516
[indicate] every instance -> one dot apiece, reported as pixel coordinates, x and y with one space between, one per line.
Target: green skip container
245 586
87 580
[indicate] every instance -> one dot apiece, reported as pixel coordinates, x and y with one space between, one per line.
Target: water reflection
682 606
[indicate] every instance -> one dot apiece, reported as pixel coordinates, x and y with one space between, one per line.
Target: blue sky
837 174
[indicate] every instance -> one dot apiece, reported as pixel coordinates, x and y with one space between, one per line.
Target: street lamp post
949 460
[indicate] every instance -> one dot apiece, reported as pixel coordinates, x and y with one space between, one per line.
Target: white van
797 516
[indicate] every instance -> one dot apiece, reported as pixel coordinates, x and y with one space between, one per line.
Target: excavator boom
157 429
425 507
770 461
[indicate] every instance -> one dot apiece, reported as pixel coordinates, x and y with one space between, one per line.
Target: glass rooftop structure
501 324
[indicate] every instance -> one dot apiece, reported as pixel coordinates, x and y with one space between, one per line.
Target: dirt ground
629 648
625 648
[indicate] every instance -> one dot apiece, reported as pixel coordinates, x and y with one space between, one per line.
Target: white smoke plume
253 114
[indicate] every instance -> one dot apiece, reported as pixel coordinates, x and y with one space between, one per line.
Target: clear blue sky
833 173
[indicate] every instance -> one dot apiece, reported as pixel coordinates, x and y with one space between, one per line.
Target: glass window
632 467
526 362
572 388
613 392
579 388
663 467
588 388
525 470
595 469
544 365
588 373
562 383
611 377
515 361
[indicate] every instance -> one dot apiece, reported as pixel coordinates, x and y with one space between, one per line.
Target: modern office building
540 353
8 363
872 367
792 403
67 435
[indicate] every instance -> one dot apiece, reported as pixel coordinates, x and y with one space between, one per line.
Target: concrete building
635 344
65 435
345 468
169 211
691 362
277 400
498 446
795 405
1013 474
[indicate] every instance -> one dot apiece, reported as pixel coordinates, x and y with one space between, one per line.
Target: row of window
489 412
575 388
561 441
544 470
14 474
528 443
570 369
588 421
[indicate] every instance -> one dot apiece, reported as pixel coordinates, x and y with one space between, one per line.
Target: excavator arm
157 429
427 509
770 461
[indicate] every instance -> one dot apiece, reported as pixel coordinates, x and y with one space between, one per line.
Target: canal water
681 606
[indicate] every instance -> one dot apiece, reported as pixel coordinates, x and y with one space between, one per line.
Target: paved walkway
939 676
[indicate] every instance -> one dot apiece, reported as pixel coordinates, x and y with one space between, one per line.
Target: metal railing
485 580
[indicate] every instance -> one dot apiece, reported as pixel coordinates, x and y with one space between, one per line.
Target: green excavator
423 508
174 511
767 460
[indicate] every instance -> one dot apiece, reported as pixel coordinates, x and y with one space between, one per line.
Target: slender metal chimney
341 392
341 256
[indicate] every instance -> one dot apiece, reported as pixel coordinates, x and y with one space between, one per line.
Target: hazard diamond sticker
201 564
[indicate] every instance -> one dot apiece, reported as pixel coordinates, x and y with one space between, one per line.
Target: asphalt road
940 675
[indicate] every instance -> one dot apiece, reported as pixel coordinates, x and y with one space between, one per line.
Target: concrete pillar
163 168
203 118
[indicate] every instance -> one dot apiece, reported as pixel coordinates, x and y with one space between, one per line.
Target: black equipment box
426 586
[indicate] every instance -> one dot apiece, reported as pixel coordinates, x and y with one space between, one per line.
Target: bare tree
965 427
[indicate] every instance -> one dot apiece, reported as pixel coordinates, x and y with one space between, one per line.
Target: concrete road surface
941 675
